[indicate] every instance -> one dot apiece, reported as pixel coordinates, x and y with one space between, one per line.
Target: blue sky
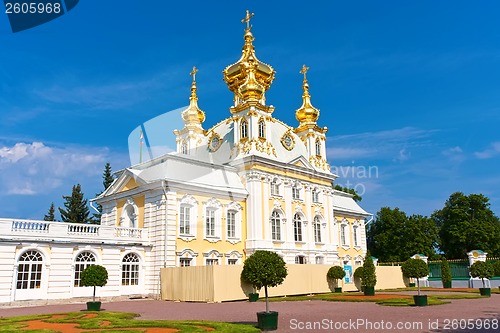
410 91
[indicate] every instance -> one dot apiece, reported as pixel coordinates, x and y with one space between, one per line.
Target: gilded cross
193 73
247 19
304 71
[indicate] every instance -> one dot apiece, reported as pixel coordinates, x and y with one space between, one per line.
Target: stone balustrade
28 230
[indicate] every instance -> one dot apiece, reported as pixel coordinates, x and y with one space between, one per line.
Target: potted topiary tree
369 278
265 269
416 268
445 273
335 273
94 276
358 278
482 270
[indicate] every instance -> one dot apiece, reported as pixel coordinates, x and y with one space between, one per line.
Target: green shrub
482 270
264 269
415 268
496 268
445 271
369 278
94 276
335 273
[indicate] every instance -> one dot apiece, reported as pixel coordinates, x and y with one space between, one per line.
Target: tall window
318 147
29 273
184 220
295 192
317 229
82 261
297 228
355 235
343 228
275 187
231 224
130 270
275 226
244 129
184 147
315 196
262 129
210 222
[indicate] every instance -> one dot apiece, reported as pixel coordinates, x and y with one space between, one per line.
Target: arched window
275 226
82 261
244 129
297 228
262 129
318 147
130 270
317 229
184 147
29 273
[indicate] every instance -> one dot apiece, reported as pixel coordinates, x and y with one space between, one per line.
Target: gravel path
296 316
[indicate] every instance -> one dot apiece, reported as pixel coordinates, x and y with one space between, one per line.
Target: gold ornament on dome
214 142
249 78
288 141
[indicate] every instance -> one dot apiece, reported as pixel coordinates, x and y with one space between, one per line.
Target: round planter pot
485 291
447 284
253 297
420 300
267 321
369 291
93 306
338 290
411 284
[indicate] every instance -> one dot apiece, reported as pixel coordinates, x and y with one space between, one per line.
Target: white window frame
185 221
317 229
132 267
315 195
317 145
295 192
298 234
183 261
211 261
186 254
344 234
212 220
190 202
275 221
275 187
80 266
300 260
231 223
244 129
262 128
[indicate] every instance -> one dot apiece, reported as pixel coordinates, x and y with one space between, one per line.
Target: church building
250 182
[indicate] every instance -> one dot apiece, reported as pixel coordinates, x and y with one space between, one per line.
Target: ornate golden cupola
192 135
193 114
307 113
249 78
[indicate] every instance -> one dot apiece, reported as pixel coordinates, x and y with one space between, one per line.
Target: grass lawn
379 298
112 322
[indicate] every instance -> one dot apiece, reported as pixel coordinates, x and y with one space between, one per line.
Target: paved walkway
299 316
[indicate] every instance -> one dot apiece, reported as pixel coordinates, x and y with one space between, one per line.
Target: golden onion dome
193 114
249 77
307 113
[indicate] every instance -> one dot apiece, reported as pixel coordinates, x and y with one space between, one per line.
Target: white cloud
489 152
34 168
455 154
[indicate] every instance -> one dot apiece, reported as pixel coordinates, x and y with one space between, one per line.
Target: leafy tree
264 269
107 180
416 269
94 276
393 236
335 273
76 209
352 191
369 278
50 214
482 270
496 268
467 223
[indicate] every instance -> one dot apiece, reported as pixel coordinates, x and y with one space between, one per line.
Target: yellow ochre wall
200 245
139 202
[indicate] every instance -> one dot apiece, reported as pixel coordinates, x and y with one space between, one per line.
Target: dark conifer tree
76 209
50 214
